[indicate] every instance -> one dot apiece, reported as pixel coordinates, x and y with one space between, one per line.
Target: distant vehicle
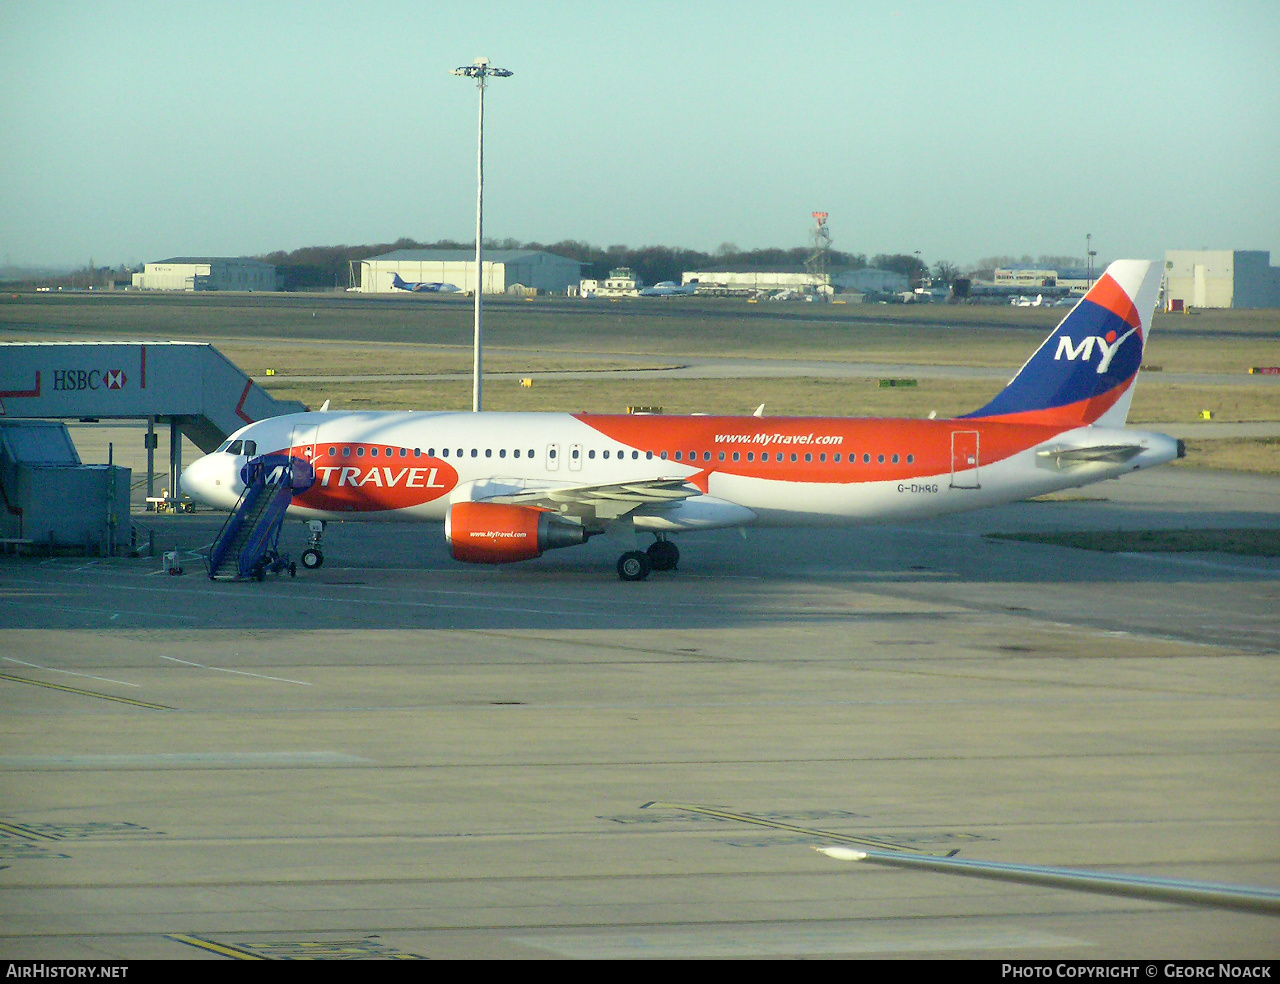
1028 302
669 288
422 287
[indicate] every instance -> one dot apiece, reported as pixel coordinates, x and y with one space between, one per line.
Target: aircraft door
303 441
964 460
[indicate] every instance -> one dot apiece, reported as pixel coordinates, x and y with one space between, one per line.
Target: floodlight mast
480 71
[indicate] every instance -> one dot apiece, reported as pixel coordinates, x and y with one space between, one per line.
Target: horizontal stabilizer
1109 453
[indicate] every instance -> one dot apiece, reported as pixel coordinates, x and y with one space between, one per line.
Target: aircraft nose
211 480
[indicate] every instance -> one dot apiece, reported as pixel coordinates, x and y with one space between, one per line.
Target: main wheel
312 559
663 555
634 566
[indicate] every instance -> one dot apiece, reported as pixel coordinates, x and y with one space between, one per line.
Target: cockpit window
235 447
223 446
250 447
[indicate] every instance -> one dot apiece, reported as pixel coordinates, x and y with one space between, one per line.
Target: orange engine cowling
497 533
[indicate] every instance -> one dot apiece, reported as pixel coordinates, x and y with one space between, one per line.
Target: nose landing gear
312 558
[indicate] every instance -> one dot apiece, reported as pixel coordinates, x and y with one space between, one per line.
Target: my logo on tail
1108 346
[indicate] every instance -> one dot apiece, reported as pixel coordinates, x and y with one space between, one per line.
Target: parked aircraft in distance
422 287
509 486
669 288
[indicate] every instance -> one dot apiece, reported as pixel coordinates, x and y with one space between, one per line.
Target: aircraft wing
600 502
1111 453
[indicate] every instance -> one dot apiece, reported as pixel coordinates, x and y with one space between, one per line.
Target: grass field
372 338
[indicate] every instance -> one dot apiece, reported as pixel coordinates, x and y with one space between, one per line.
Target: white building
503 268
621 282
207 273
749 283
1220 278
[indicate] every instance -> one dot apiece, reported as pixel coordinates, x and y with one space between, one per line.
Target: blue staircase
247 547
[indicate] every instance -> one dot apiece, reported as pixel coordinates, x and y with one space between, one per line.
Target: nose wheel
312 558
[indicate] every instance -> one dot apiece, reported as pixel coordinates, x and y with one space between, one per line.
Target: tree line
321 267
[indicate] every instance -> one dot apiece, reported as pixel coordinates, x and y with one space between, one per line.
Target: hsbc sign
89 379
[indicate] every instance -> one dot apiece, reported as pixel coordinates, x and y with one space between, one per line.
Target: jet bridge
190 386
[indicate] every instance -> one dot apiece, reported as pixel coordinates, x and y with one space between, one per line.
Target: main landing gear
635 565
312 558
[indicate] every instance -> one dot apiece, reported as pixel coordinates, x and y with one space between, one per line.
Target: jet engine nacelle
498 533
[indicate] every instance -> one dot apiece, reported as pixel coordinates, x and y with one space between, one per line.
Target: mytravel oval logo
372 477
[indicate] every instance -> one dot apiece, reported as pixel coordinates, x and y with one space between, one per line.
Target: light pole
480 71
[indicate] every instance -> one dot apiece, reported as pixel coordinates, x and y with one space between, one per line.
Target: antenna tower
818 265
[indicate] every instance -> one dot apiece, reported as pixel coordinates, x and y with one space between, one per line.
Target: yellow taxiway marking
225 949
84 693
823 835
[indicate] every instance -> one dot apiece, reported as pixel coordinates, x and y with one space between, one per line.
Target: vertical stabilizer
1085 371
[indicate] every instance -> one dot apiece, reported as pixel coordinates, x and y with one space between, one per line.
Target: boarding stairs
247 547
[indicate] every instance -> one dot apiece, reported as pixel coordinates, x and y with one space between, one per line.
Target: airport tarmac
403 756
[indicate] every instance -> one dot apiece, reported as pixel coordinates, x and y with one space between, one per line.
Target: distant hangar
1220 278
505 270
207 273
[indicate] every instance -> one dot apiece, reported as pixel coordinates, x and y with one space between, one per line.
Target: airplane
669 288
423 287
509 486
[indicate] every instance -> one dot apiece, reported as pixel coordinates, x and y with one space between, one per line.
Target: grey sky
961 130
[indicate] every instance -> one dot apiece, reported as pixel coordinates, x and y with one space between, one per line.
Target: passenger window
751 456
592 454
515 453
417 452
808 457
706 455
895 459
836 459
531 453
360 452
822 457
346 451
866 459
664 456
911 459
679 456
373 452
794 456
550 453
502 453
488 452
648 456
431 452
404 452
881 459
333 452
635 455
604 455
475 452
722 456
445 452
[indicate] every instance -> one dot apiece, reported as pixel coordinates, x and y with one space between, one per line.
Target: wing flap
602 502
